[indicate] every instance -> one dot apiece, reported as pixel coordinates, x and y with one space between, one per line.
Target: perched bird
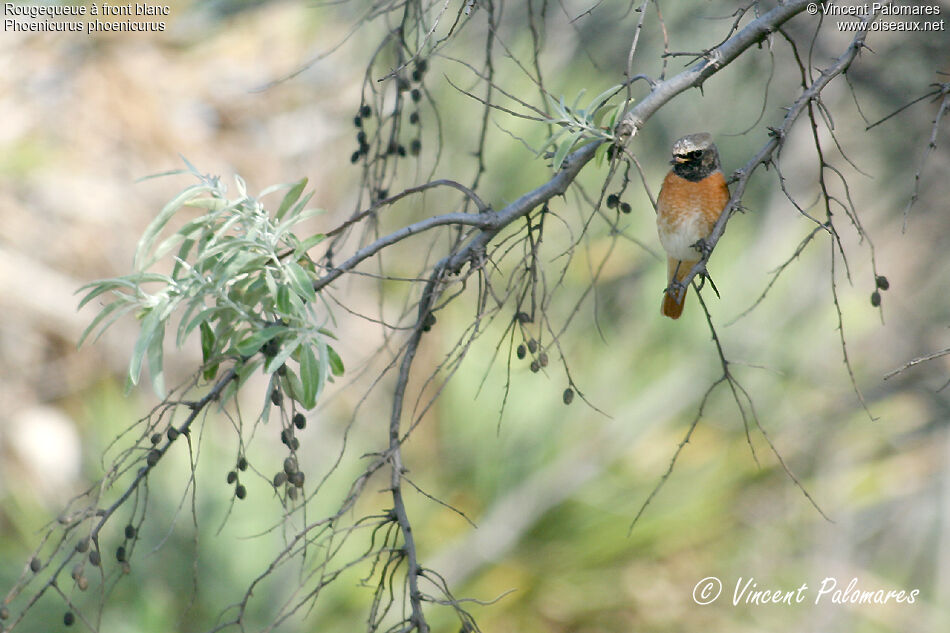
692 198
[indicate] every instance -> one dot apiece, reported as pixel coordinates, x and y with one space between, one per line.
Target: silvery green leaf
154 228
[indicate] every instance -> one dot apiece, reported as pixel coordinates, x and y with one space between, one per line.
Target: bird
693 196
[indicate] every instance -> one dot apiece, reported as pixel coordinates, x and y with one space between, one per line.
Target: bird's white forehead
692 142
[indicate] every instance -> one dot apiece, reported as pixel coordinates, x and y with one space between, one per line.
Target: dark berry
232 477
69 618
415 147
240 492
290 466
156 438
361 137
153 456
172 434
625 207
416 95
523 317
130 531
82 545
280 478
543 359
366 112
120 554
276 397
568 396
535 366
882 282
358 121
291 493
297 479
300 420
4 613
35 564
520 352
402 84
532 346
271 348
422 65
875 298
401 150
414 118
242 463
416 75
612 201
355 157
94 558
285 436
294 444
282 370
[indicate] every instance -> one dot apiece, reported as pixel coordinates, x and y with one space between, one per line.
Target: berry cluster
539 357
240 491
882 284
391 146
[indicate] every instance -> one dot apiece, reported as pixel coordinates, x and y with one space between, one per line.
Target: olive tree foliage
233 270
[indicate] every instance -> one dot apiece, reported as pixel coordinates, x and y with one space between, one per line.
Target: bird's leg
676 287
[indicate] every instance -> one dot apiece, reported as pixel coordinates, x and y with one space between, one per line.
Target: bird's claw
703 247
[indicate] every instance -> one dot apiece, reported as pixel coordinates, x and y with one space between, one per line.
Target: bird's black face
695 164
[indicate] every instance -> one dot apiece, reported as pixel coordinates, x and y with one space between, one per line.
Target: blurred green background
552 488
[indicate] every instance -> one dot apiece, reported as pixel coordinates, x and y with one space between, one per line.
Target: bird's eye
696 153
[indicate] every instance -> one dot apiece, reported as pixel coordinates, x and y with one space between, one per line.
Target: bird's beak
678 159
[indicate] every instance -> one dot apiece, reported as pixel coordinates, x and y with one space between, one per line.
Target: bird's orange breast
687 211
680 197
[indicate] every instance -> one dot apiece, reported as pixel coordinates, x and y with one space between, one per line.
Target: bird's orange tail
671 307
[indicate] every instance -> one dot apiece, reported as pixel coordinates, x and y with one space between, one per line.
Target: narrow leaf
251 344
336 363
564 148
156 353
300 281
284 306
309 377
291 197
207 350
273 363
120 307
99 287
155 227
308 243
601 153
150 325
600 99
